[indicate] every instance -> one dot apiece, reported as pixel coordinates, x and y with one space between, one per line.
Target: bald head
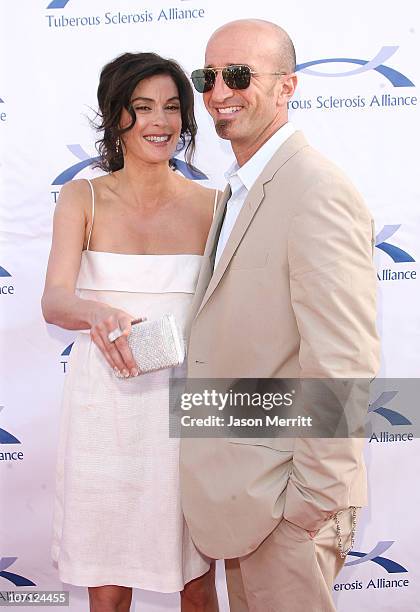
267 38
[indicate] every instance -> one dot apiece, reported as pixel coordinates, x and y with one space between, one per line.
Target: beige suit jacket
292 296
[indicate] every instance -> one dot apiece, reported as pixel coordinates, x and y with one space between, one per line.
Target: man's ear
288 88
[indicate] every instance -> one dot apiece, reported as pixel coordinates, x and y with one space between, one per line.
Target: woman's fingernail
125 373
134 372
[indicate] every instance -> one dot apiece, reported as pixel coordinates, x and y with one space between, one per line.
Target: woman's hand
117 353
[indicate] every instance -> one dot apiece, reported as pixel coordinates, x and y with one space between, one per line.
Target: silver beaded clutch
157 345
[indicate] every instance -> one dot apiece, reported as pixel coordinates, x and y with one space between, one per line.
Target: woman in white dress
126 245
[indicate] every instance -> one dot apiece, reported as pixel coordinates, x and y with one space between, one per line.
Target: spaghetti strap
216 195
93 213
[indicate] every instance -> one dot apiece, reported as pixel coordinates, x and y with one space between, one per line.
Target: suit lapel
206 270
245 216
213 238
253 201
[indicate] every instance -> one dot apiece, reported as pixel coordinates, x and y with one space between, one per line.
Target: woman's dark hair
117 82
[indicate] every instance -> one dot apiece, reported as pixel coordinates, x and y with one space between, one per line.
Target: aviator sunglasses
236 76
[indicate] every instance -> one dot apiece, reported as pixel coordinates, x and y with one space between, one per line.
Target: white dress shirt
242 178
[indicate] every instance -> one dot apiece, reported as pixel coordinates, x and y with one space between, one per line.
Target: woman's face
155 135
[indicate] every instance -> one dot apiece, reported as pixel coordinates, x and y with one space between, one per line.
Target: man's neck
245 150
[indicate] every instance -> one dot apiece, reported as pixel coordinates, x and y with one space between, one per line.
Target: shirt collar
247 174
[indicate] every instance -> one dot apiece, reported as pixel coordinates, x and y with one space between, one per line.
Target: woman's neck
149 184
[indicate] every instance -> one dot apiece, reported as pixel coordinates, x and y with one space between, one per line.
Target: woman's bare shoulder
75 197
77 188
200 196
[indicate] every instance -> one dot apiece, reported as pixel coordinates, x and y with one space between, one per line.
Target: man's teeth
157 138
230 109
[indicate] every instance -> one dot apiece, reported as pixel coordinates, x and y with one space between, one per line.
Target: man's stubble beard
222 128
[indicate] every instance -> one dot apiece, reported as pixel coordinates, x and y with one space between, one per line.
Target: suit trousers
290 571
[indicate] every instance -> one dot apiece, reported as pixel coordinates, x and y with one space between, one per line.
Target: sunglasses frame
228 76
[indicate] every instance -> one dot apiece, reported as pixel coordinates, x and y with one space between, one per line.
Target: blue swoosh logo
7 438
16 579
57 4
397 79
67 350
396 254
392 567
3 272
392 416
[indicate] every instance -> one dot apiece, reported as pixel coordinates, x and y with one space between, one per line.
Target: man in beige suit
287 290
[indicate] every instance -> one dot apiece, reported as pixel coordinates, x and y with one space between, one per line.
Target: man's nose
220 90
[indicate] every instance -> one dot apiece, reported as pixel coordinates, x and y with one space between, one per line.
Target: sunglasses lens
203 80
237 77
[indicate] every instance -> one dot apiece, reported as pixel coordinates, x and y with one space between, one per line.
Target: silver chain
344 552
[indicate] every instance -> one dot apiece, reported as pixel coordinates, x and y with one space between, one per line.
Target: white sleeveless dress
118 517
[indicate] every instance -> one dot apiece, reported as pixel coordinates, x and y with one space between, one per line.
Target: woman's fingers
118 350
116 356
124 323
123 346
100 335
102 346
110 335
126 355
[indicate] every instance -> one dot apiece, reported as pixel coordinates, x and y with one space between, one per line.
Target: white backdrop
357 102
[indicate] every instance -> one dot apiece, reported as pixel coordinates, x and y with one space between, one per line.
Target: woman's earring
118 145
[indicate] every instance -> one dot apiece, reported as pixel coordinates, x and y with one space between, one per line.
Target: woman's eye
142 108
172 107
